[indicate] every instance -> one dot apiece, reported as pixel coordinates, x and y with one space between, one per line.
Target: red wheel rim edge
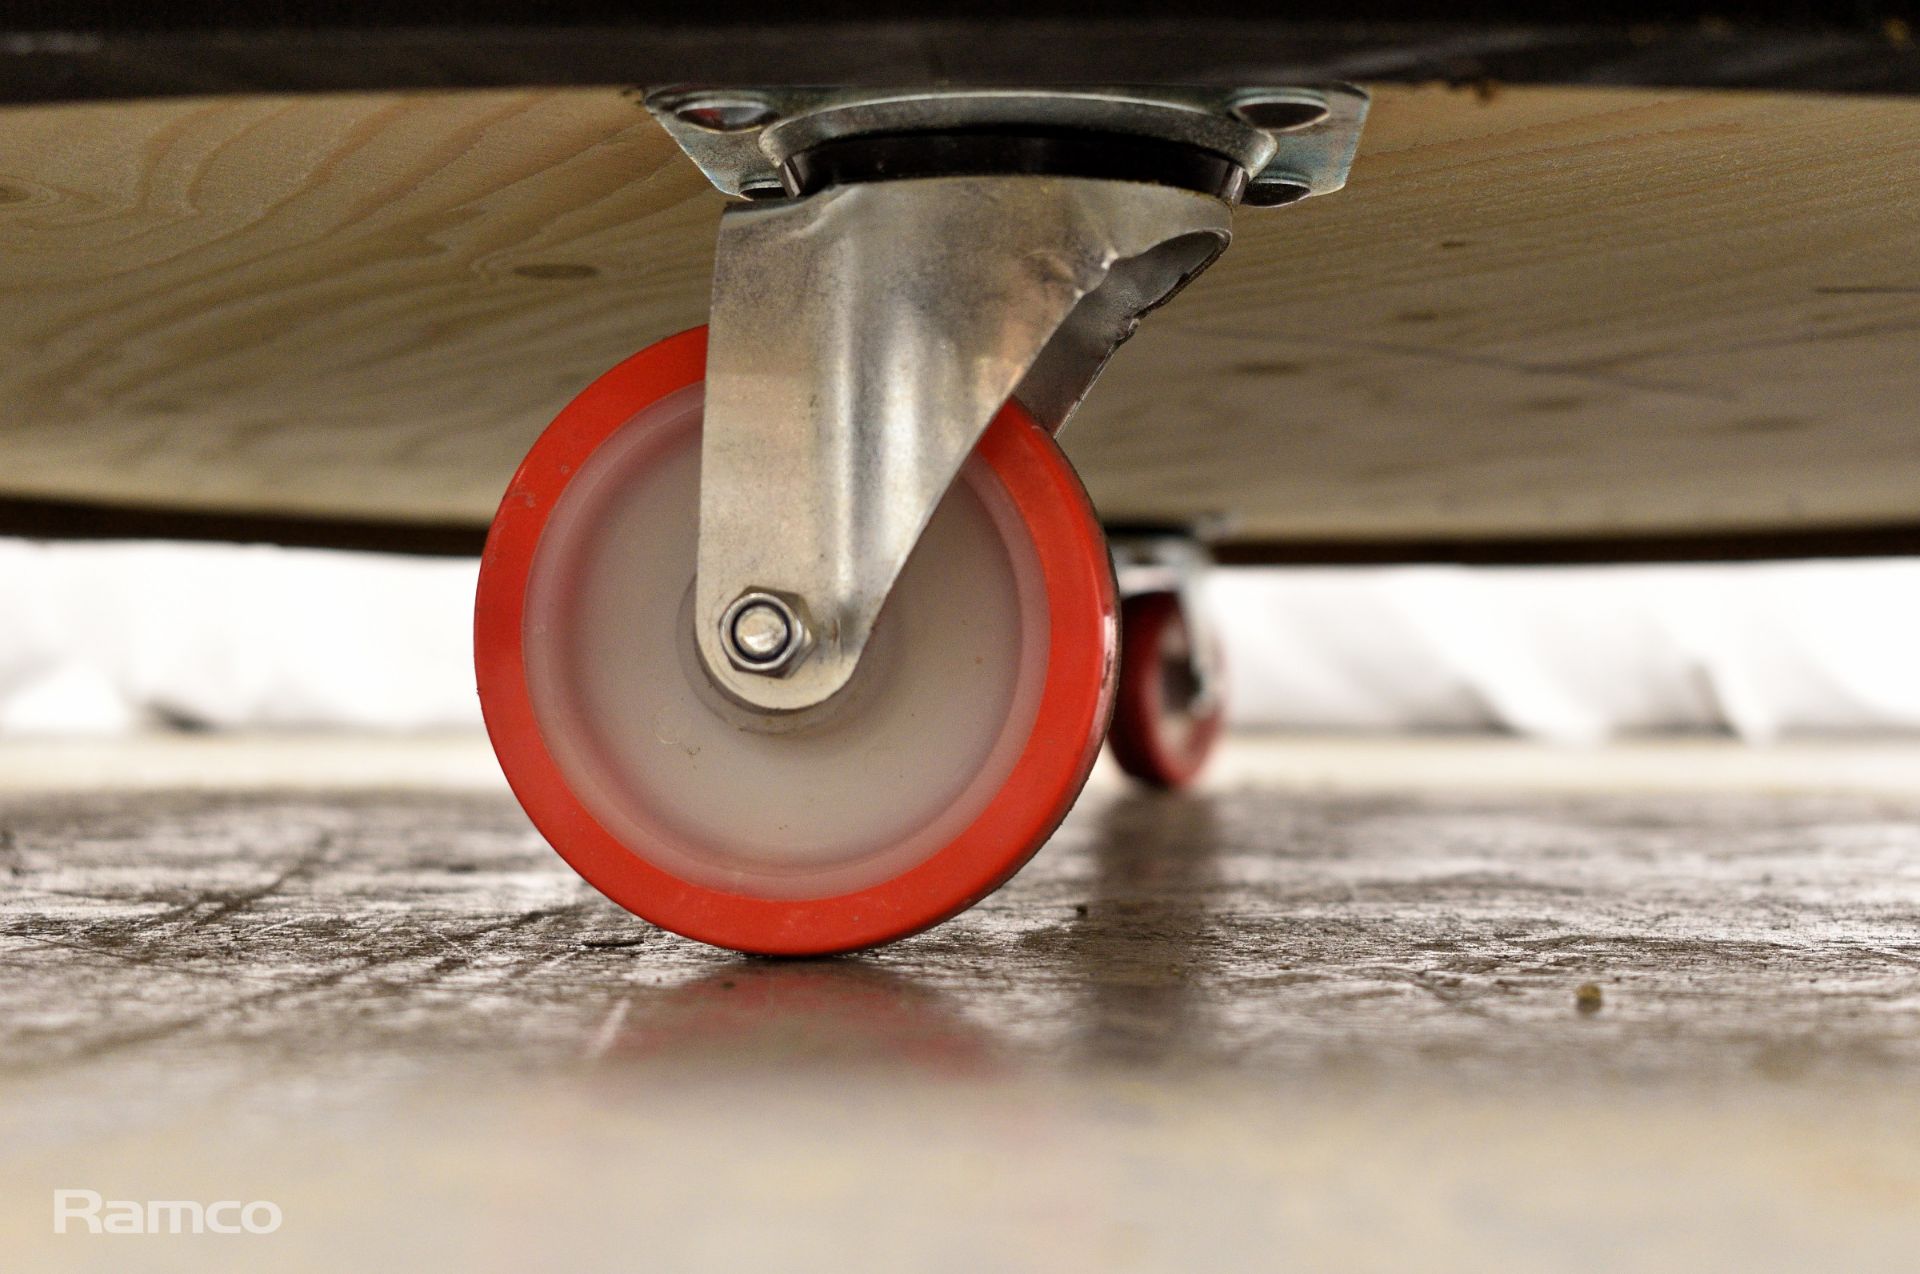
1141 740
1076 701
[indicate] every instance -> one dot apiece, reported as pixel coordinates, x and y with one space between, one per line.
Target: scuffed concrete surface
1259 1026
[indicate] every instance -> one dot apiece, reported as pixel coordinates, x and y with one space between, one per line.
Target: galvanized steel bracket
863 336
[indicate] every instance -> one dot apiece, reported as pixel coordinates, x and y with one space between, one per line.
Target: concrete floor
1431 1005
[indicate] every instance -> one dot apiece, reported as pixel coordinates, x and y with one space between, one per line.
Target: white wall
1579 654
100 638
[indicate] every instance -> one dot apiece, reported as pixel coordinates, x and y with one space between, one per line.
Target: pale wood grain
1557 310
1551 310
360 304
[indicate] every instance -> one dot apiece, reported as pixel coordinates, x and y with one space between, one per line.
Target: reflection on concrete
837 1014
1143 950
1124 975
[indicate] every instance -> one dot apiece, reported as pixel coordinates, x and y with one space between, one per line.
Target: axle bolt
762 633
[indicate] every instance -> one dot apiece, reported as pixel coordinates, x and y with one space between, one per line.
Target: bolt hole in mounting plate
1290 142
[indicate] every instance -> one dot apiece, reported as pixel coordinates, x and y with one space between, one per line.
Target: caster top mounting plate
1290 142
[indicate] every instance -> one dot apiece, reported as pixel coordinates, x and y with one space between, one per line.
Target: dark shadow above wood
78 520
82 51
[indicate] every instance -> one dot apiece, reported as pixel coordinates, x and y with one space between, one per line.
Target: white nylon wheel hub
825 802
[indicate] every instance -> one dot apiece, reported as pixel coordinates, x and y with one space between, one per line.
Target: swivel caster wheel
1170 706
965 733
798 634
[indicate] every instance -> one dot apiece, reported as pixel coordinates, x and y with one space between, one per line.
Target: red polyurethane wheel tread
1075 704
1150 742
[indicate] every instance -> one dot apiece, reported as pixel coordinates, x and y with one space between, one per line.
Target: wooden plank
1534 312
1563 311
363 305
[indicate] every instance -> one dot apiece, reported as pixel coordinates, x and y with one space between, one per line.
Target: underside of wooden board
1533 312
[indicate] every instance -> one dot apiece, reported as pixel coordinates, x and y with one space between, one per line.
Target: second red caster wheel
1170 706
966 733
